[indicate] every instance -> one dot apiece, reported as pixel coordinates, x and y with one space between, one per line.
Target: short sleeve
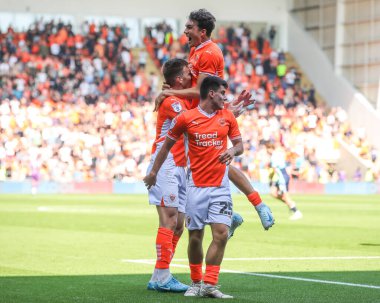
172 107
177 127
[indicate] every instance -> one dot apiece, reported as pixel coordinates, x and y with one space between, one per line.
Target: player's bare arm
236 150
190 93
150 179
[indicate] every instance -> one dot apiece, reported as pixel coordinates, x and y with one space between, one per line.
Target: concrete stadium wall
335 89
269 11
273 11
360 188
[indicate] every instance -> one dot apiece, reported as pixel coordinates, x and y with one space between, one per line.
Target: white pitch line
283 258
150 262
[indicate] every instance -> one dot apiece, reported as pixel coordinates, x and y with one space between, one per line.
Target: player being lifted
205 59
169 194
208 194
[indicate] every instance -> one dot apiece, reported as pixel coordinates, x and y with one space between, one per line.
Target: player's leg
284 180
195 255
165 196
240 180
164 246
296 213
243 184
214 258
181 179
196 215
220 211
178 231
274 192
215 252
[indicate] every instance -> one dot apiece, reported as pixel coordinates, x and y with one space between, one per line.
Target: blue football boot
151 285
172 285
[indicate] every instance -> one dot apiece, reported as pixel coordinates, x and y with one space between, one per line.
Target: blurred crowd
79 106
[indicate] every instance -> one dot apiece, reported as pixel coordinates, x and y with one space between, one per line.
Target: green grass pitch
98 248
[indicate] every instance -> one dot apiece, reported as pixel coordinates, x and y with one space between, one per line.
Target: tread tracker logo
206 140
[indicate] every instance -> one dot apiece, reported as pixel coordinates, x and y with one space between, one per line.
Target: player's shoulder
213 47
173 103
226 113
189 115
191 112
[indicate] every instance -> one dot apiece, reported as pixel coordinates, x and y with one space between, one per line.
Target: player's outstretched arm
150 179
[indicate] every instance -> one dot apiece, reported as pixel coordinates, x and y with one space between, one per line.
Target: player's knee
178 229
170 223
220 236
195 238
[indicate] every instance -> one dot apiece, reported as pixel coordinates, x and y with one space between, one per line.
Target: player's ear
204 32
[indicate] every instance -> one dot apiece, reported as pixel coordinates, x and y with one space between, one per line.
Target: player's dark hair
172 69
205 20
211 83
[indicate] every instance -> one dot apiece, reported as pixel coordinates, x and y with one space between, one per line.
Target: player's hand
265 215
239 106
165 86
227 156
160 98
244 97
150 180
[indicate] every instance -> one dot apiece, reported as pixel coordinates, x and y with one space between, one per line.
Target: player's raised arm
150 179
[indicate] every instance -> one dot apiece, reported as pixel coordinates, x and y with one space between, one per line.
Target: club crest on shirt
177 107
172 197
222 121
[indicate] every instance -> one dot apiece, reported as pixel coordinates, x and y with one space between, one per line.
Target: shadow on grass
132 288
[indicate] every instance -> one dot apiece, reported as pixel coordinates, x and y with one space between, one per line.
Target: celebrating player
169 194
208 194
205 59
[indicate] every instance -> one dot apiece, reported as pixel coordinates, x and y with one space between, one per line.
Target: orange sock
175 242
212 274
254 198
164 247
196 272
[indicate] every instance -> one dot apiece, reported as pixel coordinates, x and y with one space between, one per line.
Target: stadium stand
77 106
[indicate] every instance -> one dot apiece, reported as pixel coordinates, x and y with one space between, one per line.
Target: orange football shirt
168 110
206 58
207 139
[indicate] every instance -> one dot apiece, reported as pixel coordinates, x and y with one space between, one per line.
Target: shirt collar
203 44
